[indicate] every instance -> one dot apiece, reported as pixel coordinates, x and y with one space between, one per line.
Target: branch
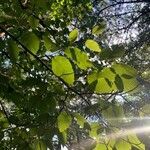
6 115
43 64
119 3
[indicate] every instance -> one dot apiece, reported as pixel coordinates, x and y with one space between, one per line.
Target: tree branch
123 2
43 64
4 111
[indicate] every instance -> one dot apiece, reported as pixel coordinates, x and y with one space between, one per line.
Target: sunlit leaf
31 41
94 130
64 121
92 45
80 58
111 142
103 86
124 69
63 68
100 146
133 139
80 119
125 72
105 80
119 83
97 30
73 35
126 76
122 145
113 113
145 110
92 76
49 45
107 73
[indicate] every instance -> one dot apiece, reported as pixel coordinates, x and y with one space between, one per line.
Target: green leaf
145 110
13 51
33 22
119 83
106 54
112 79
64 121
39 145
103 86
49 45
122 69
101 146
92 45
133 139
122 145
31 41
63 68
93 76
73 35
94 130
80 58
126 76
113 114
97 30
117 51
80 119
64 134
107 73
105 80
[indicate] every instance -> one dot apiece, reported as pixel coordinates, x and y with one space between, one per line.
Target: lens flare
142 126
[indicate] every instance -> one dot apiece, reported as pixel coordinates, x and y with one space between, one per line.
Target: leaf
64 134
93 45
31 41
105 80
126 76
49 45
33 22
122 69
80 119
40 4
63 68
13 51
122 145
100 146
113 113
119 83
110 79
64 121
39 145
93 76
117 51
97 30
133 139
145 110
73 35
94 130
106 54
103 86
80 58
